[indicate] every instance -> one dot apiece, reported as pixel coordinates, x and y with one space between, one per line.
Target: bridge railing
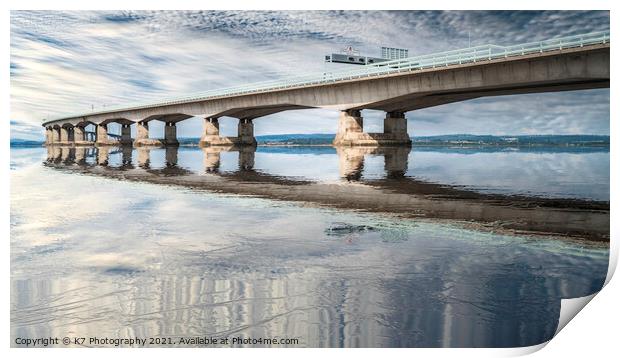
442 59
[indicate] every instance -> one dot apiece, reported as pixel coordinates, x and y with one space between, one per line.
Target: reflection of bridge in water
394 193
351 159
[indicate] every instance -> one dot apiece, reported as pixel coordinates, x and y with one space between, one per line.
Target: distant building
352 59
351 56
392 53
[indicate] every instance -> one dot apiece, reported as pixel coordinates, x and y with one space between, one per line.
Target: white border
594 331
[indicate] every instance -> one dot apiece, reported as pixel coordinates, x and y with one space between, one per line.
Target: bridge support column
71 135
350 128
65 136
81 136
55 135
78 134
142 131
395 128
351 131
126 134
102 135
48 136
245 132
142 136
170 134
211 132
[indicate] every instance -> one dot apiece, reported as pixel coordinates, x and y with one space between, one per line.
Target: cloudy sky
63 62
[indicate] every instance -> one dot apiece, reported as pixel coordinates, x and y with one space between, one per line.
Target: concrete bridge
395 87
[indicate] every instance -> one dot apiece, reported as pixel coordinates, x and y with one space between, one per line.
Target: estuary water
322 247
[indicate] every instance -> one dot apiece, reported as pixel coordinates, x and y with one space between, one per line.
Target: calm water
92 256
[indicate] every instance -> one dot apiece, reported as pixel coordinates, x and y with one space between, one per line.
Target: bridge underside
412 102
395 94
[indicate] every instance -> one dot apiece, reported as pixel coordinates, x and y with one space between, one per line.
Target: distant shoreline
452 145
448 140
414 144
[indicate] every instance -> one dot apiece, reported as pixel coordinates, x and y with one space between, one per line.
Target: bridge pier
126 134
142 136
142 132
351 130
101 131
48 136
79 134
64 136
245 132
395 124
211 134
170 134
56 135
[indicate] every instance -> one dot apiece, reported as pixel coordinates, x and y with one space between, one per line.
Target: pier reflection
169 167
212 158
103 156
127 158
67 155
350 160
144 158
127 155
